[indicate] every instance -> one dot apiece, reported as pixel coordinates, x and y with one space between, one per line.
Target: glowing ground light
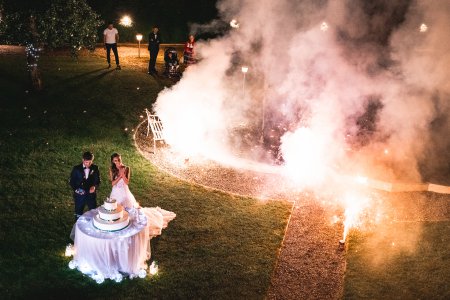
99 278
324 26
118 277
234 24
142 273
73 264
125 21
423 28
70 251
153 268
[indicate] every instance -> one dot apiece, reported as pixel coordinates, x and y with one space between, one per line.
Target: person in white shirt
110 39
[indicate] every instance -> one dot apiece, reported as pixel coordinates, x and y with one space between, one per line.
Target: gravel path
311 263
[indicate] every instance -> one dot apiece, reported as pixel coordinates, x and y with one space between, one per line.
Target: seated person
172 63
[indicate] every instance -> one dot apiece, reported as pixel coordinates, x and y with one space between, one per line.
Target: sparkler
234 24
304 152
244 71
423 28
354 206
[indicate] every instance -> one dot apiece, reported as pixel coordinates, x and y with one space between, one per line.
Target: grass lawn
400 261
219 246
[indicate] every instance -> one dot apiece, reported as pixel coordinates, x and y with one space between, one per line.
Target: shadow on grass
219 246
86 74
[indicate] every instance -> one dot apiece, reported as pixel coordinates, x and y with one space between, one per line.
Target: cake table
112 254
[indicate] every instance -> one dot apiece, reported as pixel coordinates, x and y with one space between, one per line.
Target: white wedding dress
157 218
122 194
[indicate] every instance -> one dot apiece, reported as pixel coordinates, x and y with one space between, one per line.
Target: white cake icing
111 216
111 225
110 204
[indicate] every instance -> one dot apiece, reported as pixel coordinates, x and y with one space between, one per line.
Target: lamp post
139 39
244 71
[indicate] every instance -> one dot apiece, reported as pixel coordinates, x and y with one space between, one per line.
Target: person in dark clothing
154 40
84 180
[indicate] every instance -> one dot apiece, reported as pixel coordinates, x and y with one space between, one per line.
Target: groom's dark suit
81 186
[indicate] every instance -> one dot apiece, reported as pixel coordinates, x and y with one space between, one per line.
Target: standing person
188 54
110 39
84 180
119 175
154 40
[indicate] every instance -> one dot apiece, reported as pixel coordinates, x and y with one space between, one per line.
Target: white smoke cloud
370 82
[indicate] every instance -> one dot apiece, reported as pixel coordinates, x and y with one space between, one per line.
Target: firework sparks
304 153
423 27
355 204
234 24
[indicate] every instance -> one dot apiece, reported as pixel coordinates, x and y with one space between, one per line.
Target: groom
84 180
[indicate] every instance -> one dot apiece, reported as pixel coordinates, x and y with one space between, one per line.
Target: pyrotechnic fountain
339 97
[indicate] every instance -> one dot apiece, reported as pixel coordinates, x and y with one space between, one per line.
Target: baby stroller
171 63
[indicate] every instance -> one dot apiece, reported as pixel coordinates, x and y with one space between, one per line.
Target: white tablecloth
124 252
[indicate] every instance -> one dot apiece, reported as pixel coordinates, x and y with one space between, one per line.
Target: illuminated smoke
330 98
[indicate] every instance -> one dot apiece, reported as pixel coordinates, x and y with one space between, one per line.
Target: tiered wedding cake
111 216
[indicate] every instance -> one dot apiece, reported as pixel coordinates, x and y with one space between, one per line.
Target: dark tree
47 24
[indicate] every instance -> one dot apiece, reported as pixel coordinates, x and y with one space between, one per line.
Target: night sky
172 16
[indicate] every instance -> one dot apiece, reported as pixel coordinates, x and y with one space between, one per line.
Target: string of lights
32 55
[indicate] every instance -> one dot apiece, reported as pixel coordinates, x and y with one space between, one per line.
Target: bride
119 175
